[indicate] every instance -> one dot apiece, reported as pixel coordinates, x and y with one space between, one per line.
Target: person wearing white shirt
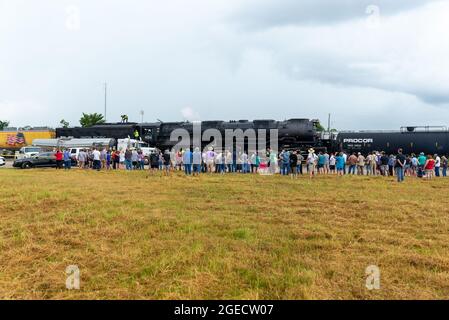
311 162
96 157
82 158
332 163
218 162
210 160
437 165
228 161
244 159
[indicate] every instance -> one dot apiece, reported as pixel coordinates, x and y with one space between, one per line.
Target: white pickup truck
27 152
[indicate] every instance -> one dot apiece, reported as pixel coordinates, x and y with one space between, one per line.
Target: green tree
3 124
91 119
64 123
319 127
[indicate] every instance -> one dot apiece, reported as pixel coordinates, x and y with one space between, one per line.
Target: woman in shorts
408 166
312 159
429 167
340 164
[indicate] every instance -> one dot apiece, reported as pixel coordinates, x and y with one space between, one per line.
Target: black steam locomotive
292 134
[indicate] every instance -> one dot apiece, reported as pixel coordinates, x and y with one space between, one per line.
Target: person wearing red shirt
429 167
59 161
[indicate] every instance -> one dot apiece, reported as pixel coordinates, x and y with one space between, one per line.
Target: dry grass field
221 237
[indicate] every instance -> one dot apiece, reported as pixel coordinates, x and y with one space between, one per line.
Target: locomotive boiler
292 133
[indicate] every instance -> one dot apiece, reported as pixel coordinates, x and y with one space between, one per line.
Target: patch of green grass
241 234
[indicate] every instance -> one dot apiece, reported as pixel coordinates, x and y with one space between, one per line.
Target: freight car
429 140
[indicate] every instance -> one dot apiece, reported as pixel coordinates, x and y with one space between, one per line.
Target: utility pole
141 114
105 100
329 123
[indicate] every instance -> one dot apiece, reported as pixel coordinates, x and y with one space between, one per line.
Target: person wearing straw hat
311 162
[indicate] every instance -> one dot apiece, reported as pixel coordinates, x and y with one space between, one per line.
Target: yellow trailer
11 141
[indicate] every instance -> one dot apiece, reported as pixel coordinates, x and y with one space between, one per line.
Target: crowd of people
292 163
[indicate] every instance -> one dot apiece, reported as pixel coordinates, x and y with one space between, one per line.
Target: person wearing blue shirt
285 157
321 162
197 159
108 159
187 160
67 159
340 164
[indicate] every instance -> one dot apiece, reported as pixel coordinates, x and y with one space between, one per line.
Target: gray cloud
264 14
340 72
405 53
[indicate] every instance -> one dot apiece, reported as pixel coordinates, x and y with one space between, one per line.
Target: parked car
2 161
42 160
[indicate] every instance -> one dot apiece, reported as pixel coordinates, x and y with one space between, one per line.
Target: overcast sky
375 64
